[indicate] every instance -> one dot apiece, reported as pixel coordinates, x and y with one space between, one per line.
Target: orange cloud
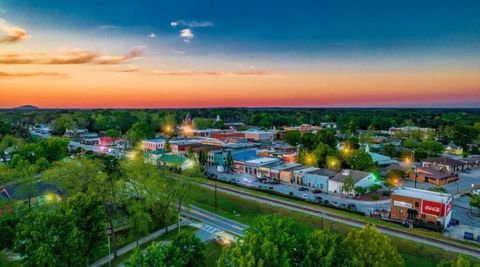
252 72
71 57
10 33
30 74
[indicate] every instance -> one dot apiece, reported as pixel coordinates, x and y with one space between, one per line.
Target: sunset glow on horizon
151 55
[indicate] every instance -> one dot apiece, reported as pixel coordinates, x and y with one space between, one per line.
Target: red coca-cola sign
433 208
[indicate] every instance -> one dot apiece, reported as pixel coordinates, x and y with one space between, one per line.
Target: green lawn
418 231
415 254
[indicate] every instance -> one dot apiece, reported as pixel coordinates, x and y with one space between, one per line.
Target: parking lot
305 193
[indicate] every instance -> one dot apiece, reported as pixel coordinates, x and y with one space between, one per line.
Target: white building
260 136
360 178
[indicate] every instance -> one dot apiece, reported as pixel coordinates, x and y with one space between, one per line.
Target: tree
55 148
114 133
47 237
409 143
361 160
326 136
229 161
277 238
88 216
348 185
139 131
308 141
320 249
202 123
430 147
139 220
389 150
185 250
203 157
321 152
360 190
367 247
65 121
461 261
74 175
293 137
475 202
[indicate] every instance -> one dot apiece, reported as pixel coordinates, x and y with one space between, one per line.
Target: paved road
97 149
333 217
133 245
365 206
215 220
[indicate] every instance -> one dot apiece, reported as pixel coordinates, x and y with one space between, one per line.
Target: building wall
334 186
401 212
286 176
315 181
367 181
421 177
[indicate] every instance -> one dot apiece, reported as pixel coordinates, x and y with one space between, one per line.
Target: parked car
343 206
270 187
476 192
352 206
468 236
316 191
454 222
304 196
318 199
275 182
335 203
290 194
302 188
326 202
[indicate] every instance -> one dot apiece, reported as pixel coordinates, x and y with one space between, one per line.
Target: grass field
244 210
418 231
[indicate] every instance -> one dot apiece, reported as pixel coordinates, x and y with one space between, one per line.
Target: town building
453 149
286 175
259 136
410 204
360 178
276 170
154 144
433 176
260 167
298 175
379 159
318 178
171 160
444 164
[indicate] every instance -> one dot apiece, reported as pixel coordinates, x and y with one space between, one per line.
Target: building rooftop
153 140
173 159
323 172
433 173
262 161
285 166
305 170
445 161
423 194
357 176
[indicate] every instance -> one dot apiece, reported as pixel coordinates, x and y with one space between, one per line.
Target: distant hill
26 107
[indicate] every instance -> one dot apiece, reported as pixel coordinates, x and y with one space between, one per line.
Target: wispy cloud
127 69
10 33
258 73
187 35
76 56
106 27
191 24
30 74
151 35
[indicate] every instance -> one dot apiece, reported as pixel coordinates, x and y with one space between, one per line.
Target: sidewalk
133 245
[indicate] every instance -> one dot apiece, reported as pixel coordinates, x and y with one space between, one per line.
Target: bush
386 193
375 197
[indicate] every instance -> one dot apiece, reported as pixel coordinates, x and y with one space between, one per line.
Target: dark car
302 188
316 191
352 206
270 187
326 202
343 206
290 194
275 182
454 222
468 236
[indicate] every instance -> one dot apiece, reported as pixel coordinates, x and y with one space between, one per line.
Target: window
400 211
417 204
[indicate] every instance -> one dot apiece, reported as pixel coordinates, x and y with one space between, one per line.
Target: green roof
172 159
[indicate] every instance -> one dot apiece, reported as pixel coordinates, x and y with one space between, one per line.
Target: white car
476 192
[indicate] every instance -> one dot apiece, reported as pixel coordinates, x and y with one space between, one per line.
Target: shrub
375 197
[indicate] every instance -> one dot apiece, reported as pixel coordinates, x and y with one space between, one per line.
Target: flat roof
155 140
323 172
423 194
286 166
307 169
357 176
263 160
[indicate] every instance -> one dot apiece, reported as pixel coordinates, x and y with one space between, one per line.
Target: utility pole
416 173
216 177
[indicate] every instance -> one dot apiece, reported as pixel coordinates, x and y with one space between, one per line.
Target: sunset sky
154 54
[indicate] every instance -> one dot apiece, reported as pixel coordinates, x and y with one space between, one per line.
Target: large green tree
367 247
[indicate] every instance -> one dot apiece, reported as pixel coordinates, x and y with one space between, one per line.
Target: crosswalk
210 229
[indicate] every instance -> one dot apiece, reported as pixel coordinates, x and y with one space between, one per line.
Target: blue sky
277 37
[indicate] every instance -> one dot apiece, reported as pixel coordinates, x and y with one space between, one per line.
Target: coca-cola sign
433 208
